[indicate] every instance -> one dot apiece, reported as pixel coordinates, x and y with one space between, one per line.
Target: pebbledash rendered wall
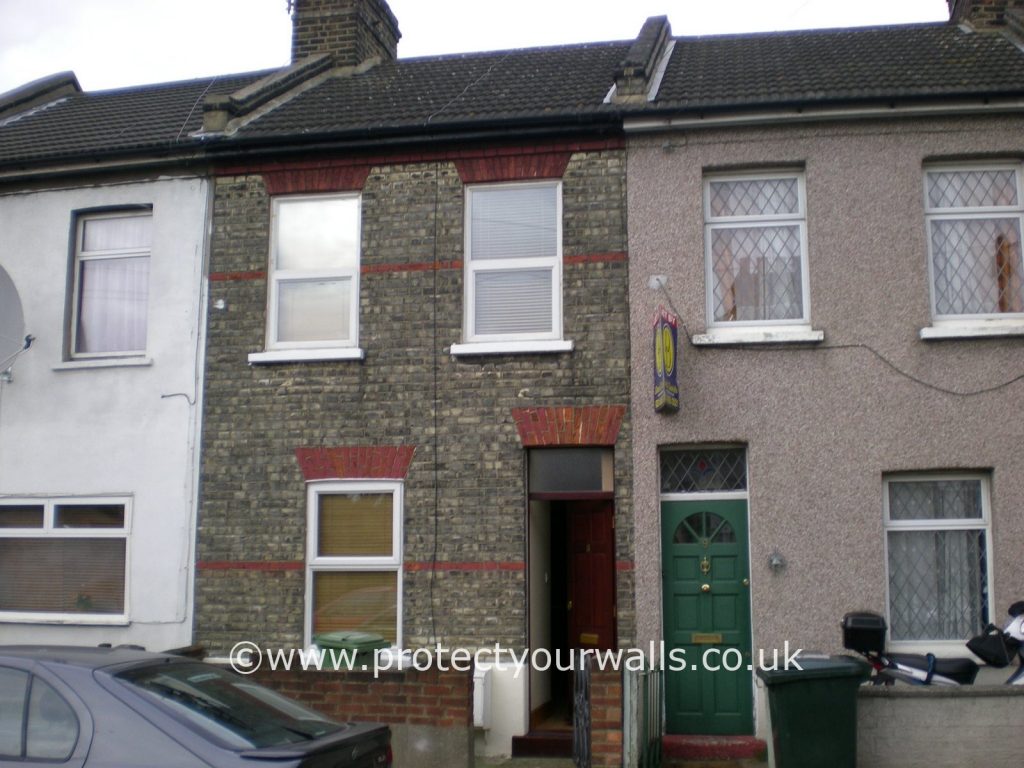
823 424
465 481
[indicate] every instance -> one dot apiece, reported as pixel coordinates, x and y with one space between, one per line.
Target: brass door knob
746 582
705 587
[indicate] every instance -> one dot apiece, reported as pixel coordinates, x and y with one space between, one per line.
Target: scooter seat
962 671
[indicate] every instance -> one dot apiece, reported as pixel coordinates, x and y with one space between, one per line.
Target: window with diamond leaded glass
974 240
937 542
756 242
703 470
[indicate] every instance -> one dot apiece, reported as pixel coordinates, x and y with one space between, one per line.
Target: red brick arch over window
513 165
365 462
591 425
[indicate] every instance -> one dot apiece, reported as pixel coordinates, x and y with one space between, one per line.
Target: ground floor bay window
63 559
938 556
354 559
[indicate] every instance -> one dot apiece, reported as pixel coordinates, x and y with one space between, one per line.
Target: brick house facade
465 535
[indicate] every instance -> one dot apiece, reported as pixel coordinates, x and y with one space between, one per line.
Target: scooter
865 633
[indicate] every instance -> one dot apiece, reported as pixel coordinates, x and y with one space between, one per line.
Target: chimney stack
636 72
352 32
986 14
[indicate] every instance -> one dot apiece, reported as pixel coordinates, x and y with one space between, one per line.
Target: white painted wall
540 597
68 429
510 710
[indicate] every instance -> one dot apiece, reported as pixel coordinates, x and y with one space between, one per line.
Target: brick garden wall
430 712
606 718
466 476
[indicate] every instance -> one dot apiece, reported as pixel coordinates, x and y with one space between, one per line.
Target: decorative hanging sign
666 361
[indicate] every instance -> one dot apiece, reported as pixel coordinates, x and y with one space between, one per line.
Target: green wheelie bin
813 706
356 648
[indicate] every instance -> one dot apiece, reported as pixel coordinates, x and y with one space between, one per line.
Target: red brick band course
423 266
465 567
250 565
596 258
412 566
225 277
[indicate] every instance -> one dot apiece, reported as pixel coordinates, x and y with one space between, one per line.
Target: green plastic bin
359 647
814 711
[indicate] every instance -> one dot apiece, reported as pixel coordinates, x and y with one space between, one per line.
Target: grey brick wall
468 470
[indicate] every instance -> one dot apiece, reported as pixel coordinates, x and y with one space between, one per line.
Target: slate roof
840 66
534 85
99 124
542 85
563 85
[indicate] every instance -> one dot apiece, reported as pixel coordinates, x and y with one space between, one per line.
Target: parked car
104 707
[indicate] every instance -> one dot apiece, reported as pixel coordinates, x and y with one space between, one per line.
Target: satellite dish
12 323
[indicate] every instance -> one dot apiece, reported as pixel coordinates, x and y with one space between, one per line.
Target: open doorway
571 579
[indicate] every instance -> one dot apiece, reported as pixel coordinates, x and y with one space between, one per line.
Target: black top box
864 632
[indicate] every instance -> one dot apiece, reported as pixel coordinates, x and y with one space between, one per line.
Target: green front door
706 593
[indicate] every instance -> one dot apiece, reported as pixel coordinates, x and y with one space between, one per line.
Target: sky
116 43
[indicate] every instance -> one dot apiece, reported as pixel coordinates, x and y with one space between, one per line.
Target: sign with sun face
666 361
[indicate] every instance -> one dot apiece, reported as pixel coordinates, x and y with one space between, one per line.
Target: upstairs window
974 218
514 262
111 284
314 272
756 241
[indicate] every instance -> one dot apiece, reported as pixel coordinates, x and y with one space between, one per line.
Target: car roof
88 657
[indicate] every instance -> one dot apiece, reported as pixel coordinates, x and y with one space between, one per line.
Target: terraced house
103 208
831 220
417 371
701 341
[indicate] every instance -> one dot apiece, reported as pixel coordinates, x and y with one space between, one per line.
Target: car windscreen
227 708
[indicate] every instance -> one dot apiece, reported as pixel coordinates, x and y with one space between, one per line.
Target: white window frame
81 255
757 331
48 531
984 523
374 564
327 349
482 344
989 324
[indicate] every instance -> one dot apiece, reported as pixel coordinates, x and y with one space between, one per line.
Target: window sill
979 330
104 362
943 649
66 619
306 355
730 336
510 348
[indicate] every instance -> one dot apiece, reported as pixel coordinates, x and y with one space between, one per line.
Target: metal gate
581 713
643 717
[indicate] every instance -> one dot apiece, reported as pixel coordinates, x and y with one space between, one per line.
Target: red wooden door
591 544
